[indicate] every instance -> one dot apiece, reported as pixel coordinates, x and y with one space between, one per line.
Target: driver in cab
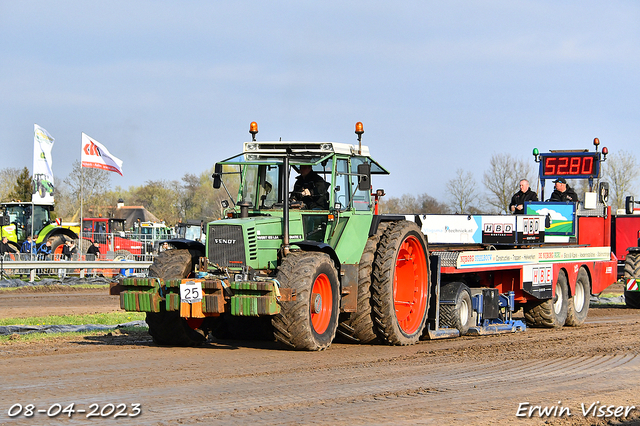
311 190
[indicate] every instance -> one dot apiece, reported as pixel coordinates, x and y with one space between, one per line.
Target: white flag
97 156
42 173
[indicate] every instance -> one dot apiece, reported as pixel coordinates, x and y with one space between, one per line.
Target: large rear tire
400 288
578 304
168 328
632 271
310 321
550 313
358 326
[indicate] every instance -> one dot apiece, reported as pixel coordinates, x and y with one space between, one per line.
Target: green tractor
33 219
301 266
41 185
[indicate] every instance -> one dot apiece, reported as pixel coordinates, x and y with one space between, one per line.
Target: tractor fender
379 218
184 244
307 245
56 231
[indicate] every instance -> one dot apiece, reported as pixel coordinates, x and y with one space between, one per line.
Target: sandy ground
470 380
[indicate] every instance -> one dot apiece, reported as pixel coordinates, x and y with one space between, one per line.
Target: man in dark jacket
519 198
563 192
311 189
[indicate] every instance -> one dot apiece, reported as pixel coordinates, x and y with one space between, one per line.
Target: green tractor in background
301 271
33 219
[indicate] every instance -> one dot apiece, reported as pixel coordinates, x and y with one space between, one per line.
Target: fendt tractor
304 270
33 219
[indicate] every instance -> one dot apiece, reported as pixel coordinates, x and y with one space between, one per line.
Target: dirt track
480 380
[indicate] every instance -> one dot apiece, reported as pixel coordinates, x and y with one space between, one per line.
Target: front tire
550 313
631 271
400 288
310 321
167 327
578 306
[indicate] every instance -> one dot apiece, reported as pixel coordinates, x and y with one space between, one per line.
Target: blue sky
171 87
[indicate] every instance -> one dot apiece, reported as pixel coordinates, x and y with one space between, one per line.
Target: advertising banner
97 156
42 174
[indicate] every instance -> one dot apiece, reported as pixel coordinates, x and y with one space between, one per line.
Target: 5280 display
570 165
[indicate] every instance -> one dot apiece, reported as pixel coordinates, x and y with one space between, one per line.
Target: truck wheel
460 314
400 288
168 328
578 306
632 270
358 326
550 313
310 321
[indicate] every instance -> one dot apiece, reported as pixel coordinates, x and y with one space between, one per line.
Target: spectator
69 249
44 250
5 247
29 246
94 249
519 198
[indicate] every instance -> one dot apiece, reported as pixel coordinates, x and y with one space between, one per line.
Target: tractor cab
282 208
25 219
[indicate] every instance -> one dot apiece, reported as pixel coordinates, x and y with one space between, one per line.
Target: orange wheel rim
410 285
321 303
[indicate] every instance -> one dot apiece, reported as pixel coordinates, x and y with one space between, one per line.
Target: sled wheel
460 314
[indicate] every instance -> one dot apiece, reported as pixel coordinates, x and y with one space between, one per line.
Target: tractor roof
299 153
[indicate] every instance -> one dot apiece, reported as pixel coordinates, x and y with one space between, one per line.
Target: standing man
563 192
28 246
519 198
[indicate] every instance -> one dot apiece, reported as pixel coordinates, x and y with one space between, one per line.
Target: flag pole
81 200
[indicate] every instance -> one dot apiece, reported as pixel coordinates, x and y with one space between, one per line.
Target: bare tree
8 179
463 191
502 178
92 190
408 203
621 171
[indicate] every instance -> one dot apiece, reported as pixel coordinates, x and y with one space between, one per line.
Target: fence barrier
27 264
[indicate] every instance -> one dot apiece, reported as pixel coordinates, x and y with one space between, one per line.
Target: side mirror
364 177
217 176
628 205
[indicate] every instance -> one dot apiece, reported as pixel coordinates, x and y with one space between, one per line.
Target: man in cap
563 192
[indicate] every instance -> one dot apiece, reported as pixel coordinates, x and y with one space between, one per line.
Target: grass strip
104 318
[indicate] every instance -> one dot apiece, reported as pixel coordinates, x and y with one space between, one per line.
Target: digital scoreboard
570 165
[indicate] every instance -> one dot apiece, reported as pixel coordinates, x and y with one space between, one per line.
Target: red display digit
563 165
574 165
587 166
550 166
